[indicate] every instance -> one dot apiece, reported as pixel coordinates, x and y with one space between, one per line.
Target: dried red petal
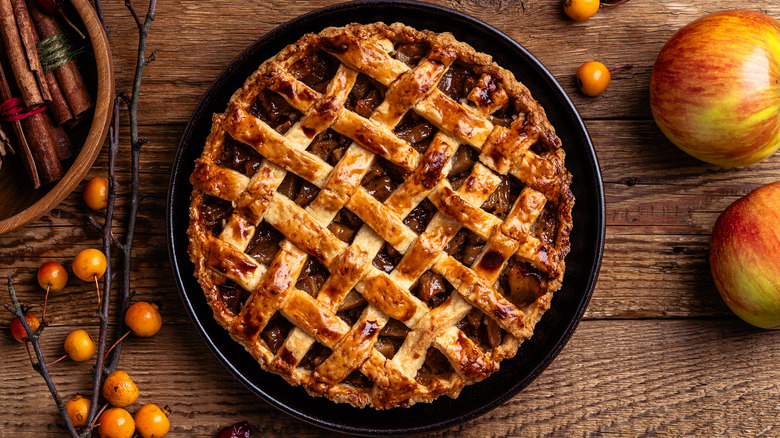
238 430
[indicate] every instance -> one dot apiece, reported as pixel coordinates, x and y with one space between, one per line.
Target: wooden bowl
19 202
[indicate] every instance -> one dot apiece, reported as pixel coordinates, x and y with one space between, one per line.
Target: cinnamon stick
28 86
29 41
37 128
62 144
57 104
37 133
21 141
68 75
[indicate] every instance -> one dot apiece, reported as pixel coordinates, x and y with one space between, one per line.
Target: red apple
745 256
715 88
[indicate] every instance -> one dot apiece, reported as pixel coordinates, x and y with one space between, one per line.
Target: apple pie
381 215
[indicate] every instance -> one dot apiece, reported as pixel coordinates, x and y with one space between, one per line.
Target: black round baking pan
568 304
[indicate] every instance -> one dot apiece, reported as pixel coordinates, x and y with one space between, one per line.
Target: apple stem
626 66
97 417
117 341
613 2
62 13
46 300
97 287
55 361
27 345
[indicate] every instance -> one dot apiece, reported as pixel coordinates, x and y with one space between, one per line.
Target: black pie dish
555 327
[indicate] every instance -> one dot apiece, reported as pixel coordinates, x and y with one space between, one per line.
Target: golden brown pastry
381 215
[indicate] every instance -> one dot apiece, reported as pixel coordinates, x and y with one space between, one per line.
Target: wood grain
631 34
657 354
657 377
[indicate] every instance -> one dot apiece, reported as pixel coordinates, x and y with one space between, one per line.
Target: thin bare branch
125 249
91 221
131 8
135 156
40 366
103 313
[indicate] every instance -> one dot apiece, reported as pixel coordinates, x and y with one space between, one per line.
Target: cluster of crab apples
142 319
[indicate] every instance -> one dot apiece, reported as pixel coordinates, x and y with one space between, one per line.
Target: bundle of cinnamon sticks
51 95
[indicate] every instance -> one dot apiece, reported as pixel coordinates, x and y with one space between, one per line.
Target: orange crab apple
745 256
715 88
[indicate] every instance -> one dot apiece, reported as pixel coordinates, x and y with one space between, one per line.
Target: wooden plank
197 40
648 181
674 377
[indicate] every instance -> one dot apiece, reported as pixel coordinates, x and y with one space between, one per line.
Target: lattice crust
381 215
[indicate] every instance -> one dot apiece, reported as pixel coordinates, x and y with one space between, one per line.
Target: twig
99 228
107 243
131 8
40 367
108 239
136 144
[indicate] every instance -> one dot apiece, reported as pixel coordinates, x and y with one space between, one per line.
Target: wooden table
657 352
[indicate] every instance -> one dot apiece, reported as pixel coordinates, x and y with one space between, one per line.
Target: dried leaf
5 146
